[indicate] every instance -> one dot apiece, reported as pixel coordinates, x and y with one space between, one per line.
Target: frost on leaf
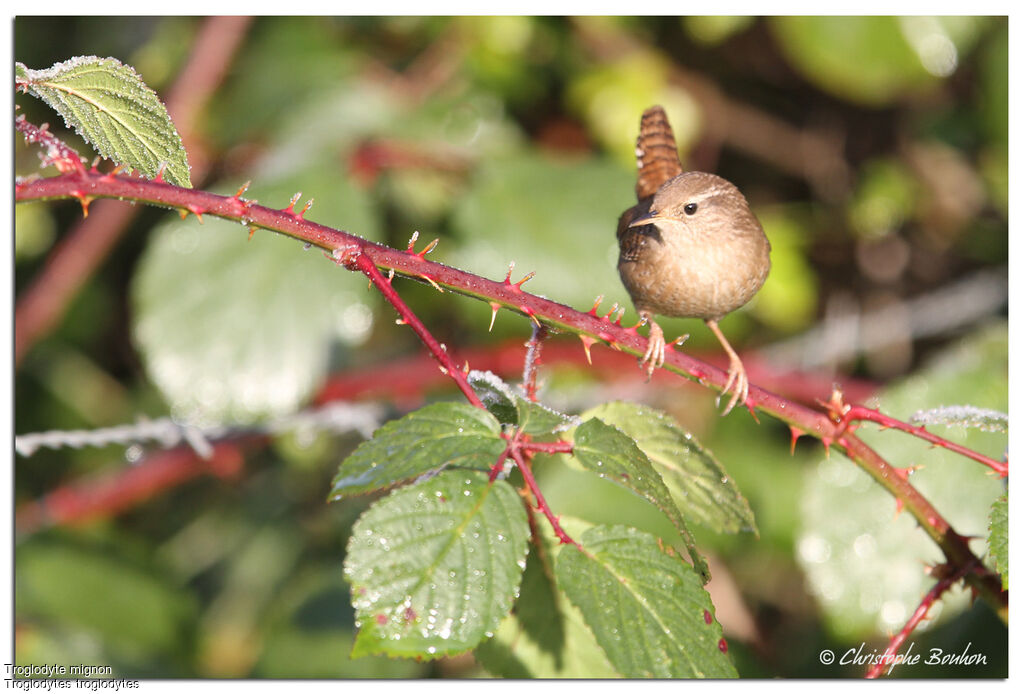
108 104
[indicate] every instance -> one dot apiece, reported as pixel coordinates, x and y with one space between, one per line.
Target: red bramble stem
524 467
546 447
857 412
889 658
556 316
364 264
57 152
533 360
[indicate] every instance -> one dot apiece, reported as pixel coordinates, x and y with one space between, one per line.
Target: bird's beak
648 218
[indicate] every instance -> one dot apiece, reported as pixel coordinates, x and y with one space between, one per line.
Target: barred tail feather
657 158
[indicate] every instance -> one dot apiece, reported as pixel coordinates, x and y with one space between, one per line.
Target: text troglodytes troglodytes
690 248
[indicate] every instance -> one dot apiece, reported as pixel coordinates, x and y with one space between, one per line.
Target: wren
690 248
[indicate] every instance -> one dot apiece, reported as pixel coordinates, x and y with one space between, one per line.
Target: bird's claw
737 383
654 357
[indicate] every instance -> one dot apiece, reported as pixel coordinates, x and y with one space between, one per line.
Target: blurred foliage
510 139
843 558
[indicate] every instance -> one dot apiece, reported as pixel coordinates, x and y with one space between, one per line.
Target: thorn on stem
615 307
587 342
593 309
434 284
794 434
291 205
520 283
899 507
494 312
84 200
429 247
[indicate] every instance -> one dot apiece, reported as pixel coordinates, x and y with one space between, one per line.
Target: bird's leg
654 357
737 381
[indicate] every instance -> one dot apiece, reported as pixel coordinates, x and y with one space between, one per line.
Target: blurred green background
873 149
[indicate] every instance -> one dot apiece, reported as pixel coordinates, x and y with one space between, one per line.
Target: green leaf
966 416
873 60
108 104
999 538
513 409
234 330
513 652
124 606
613 455
434 567
496 395
538 610
648 610
422 441
702 489
545 636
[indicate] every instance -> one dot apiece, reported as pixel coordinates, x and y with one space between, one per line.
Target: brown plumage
690 248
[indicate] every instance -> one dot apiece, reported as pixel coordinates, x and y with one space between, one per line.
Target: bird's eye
690 208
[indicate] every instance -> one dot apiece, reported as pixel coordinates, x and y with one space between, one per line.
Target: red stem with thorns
358 253
889 657
858 413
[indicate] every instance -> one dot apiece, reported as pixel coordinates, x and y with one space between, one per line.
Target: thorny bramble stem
933 595
367 267
524 467
857 412
588 326
532 360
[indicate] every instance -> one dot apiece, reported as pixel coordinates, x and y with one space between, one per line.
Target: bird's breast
679 273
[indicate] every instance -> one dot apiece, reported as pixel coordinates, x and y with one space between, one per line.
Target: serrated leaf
647 609
513 409
435 567
423 441
538 610
512 653
540 421
999 538
108 104
545 636
699 484
613 455
965 416
496 395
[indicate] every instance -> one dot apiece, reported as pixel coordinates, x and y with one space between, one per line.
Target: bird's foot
654 357
737 383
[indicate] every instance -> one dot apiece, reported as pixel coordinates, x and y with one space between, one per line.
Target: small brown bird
690 248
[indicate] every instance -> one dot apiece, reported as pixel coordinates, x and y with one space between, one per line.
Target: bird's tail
657 158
